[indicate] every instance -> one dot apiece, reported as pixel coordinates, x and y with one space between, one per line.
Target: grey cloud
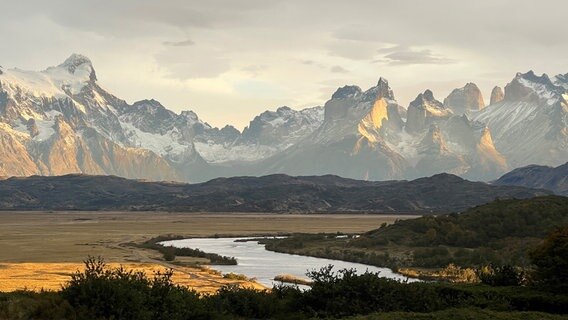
406 56
184 43
141 18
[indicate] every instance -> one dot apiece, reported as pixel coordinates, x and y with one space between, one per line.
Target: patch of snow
163 145
406 145
218 153
52 82
541 90
46 129
508 115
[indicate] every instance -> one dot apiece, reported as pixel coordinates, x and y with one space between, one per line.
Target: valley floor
41 249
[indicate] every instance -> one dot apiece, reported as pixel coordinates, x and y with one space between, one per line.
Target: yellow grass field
52 276
42 249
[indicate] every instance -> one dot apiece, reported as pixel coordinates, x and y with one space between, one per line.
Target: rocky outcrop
467 98
423 111
284 124
497 95
529 87
531 124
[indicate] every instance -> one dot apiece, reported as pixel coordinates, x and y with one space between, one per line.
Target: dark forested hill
500 232
554 179
274 193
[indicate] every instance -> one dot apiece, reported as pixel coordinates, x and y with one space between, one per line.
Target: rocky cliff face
497 95
530 125
364 136
424 111
463 100
60 121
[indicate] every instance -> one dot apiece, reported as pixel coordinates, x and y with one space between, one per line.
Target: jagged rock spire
384 90
497 95
465 99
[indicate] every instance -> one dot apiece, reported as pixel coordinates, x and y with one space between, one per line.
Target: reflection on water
256 262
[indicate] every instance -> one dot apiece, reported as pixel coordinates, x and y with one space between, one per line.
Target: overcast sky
230 60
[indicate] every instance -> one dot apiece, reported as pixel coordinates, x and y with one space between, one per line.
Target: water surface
255 261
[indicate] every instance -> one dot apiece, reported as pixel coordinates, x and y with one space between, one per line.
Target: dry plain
41 249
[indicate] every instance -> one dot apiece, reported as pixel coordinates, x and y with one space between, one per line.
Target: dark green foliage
32 305
343 293
169 253
101 292
506 275
213 257
461 314
551 260
480 226
499 233
246 303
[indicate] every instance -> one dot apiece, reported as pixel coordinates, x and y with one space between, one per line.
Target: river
255 261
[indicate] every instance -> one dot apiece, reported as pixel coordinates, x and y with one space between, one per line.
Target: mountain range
61 120
273 193
542 177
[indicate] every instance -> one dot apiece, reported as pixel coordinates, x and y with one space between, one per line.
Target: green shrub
102 292
506 275
551 260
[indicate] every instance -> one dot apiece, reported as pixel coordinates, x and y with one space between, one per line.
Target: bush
35 305
344 293
551 261
169 253
506 275
102 292
247 303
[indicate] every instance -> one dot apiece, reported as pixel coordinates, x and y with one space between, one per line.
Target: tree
551 260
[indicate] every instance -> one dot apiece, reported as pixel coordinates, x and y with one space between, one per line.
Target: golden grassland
42 249
450 273
52 276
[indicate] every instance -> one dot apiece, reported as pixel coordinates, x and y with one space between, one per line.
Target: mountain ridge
535 176
60 120
274 193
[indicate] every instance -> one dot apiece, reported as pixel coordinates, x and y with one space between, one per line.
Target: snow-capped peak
561 80
74 61
346 92
68 78
530 87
